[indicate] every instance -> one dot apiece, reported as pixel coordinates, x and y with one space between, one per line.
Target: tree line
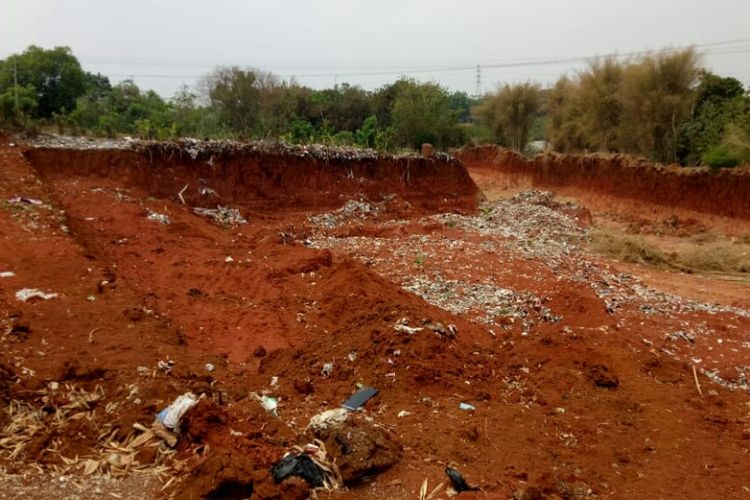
49 88
663 106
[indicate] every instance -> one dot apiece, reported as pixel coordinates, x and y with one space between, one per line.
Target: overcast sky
165 43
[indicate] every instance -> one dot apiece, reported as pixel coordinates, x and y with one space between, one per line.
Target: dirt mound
360 449
726 192
229 474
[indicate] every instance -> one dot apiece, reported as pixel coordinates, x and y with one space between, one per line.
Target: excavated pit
498 345
725 193
264 179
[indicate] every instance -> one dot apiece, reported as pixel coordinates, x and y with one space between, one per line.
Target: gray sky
163 44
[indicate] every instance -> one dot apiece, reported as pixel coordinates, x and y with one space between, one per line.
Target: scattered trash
229 259
301 466
467 407
24 200
352 356
165 366
458 481
310 463
403 413
359 398
170 416
423 490
209 367
327 369
274 381
7 274
268 403
207 191
224 216
329 418
156 216
411 330
91 298
32 293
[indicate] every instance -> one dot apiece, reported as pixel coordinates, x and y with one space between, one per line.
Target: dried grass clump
724 257
719 256
628 248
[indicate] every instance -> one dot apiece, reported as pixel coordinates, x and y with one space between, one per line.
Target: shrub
721 156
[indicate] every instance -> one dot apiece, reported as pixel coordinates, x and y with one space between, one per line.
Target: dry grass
719 256
723 257
628 248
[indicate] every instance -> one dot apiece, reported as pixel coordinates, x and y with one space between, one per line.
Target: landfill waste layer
196 315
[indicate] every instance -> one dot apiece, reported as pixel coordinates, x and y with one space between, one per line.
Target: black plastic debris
458 481
300 466
359 398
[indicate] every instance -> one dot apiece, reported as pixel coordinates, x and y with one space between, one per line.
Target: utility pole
15 82
478 91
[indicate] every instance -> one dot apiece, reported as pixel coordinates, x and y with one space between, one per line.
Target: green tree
565 127
17 106
235 94
422 113
509 113
720 102
599 102
657 95
367 134
55 74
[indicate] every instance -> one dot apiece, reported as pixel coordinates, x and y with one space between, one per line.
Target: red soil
633 424
724 193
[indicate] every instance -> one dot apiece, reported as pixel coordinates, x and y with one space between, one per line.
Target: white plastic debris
274 381
403 413
24 200
156 216
329 418
269 404
467 407
327 369
170 416
407 329
7 274
31 293
209 367
229 259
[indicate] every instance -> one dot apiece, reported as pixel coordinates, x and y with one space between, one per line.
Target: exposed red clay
575 409
724 193
263 180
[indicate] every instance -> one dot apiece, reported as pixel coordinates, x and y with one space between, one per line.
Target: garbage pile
208 150
224 216
351 210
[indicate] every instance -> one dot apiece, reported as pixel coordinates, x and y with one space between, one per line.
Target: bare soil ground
587 377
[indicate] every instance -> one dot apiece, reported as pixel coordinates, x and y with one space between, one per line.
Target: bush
721 156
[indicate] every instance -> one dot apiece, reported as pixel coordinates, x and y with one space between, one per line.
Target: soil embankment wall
725 193
264 180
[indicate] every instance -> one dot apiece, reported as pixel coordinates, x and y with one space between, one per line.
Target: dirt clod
361 449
